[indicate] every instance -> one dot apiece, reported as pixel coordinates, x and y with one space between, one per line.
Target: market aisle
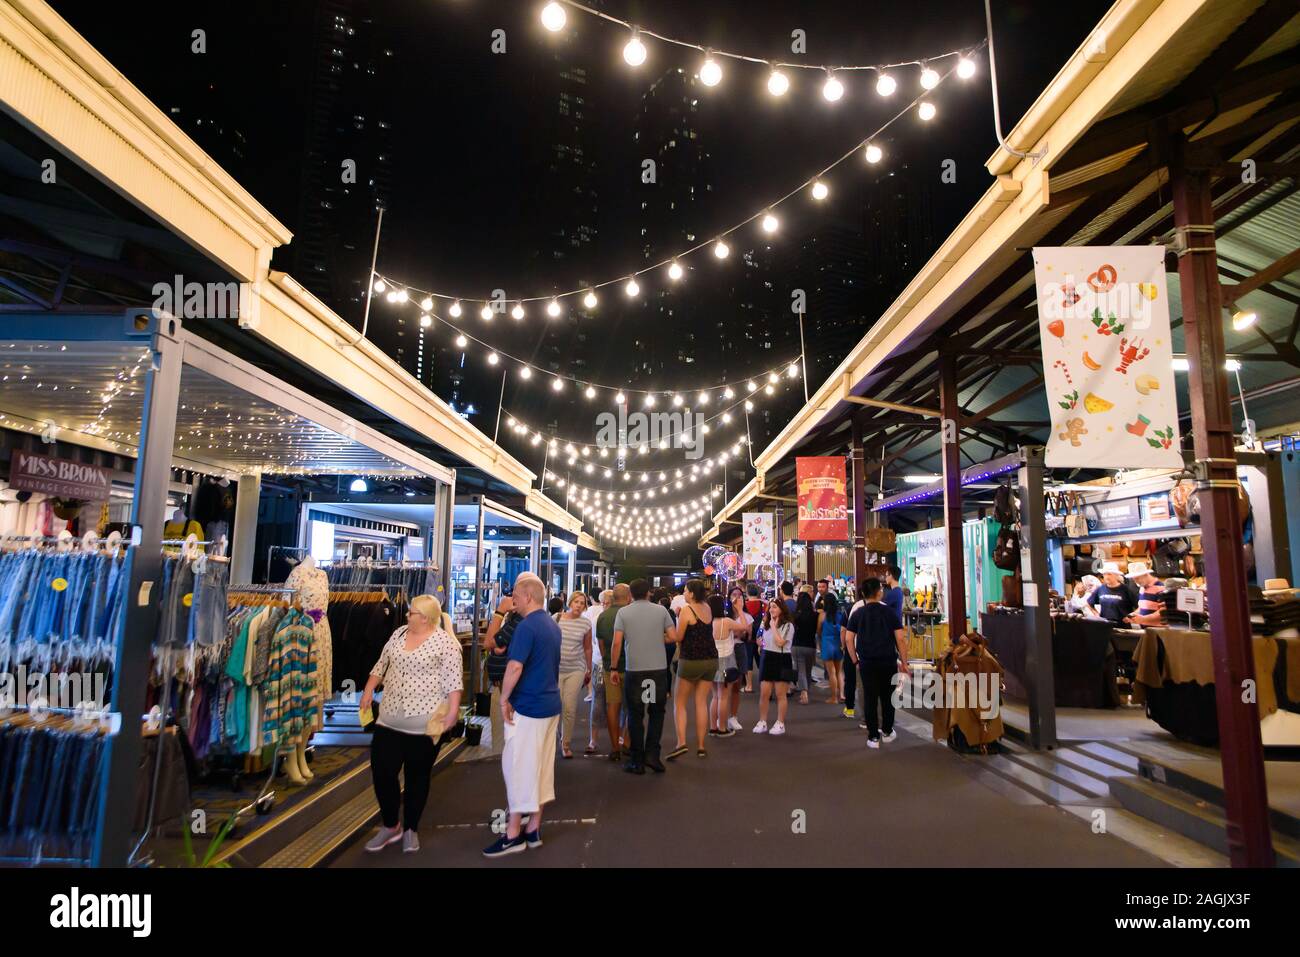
912 803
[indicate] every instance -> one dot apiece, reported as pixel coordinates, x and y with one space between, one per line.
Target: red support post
950 432
859 462
1240 748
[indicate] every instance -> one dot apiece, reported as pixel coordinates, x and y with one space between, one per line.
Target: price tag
59 584
188 599
1029 594
1191 600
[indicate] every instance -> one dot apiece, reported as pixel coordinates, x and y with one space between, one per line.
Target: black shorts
776 664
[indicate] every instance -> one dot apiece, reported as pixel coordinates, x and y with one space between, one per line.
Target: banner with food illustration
758 538
1103 314
822 493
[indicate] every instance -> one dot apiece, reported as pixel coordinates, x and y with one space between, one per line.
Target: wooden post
950 432
1240 748
859 463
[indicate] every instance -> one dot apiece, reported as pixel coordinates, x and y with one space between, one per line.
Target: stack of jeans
48 782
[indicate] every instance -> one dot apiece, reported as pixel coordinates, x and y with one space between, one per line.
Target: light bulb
675 270
726 418
379 285
873 153
620 399
590 393
392 296
773 378
557 384
525 373
632 287
769 390
820 190
792 370
770 223
721 249
832 89
403 295
929 78
518 310
634 52
553 17
553 308
493 358
1243 320
486 313
1232 365
778 83
589 300
710 72
751 386
729 394
677 400
455 310
649 400
965 68
749 406
1180 364
702 399
926 111
426 304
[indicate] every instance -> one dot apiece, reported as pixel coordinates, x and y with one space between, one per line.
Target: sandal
701 753
615 755
676 753
590 749
567 753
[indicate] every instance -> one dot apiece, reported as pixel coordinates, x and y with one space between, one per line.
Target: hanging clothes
292 699
313 590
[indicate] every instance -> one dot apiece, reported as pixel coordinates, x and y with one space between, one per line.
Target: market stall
491 544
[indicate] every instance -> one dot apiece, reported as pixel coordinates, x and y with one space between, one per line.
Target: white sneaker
734 725
760 728
386 836
873 742
778 728
890 737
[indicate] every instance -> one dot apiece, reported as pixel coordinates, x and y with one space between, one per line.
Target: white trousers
528 763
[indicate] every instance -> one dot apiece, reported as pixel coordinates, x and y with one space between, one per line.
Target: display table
1175 679
1083 657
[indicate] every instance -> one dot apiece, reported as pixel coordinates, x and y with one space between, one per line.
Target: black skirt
777 666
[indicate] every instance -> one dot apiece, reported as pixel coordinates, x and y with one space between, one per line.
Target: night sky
470 142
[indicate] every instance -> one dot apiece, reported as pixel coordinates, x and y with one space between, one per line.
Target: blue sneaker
505 845
534 838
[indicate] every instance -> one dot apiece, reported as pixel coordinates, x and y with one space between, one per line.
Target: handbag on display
1164 563
1054 520
1076 523
1012 594
1004 505
1179 497
1082 565
1006 551
1067 552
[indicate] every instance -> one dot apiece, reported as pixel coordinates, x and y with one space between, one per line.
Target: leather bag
1076 523
1006 550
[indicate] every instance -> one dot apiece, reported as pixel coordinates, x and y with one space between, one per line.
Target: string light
886 84
777 83
929 78
485 313
632 288
589 300
832 89
710 72
518 311
554 17
770 223
493 358
820 190
721 249
553 309
455 309
873 153
635 52
926 111
965 68
461 341
675 271
525 372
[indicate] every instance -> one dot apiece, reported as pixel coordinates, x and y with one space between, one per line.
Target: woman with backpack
829 620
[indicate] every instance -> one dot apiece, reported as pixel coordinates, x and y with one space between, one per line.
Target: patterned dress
314 595
291 696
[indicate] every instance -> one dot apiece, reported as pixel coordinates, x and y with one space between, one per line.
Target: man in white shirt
678 602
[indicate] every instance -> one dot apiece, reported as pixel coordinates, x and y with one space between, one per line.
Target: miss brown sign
62 478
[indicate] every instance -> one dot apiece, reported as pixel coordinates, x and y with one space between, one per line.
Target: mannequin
313 597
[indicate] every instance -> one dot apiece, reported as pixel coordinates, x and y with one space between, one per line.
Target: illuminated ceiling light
770 223
886 84
634 53
873 153
721 249
965 68
710 72
426 304
553 308
1243 319
929 78
620 399
926 111
358 485
832 89
820 190
485 313
426 321
675 271
1233 365
553 17
590 393
557 385
461 342
493 358
525 372
632 288
518 311
379 285
777 83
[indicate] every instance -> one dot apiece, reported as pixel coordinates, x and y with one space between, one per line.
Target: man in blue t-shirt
530 711
877 646
893 590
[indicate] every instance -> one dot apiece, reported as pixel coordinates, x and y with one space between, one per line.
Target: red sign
62 478
823 498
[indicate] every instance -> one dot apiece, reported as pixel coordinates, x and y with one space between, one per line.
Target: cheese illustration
1095 403
1146 384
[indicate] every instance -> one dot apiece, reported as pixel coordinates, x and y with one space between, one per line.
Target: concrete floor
815 797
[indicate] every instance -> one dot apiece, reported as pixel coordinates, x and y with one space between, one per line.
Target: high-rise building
901 232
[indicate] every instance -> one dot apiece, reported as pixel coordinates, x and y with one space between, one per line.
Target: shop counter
1083 657
1175 680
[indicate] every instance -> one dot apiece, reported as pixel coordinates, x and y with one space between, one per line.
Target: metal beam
952 515
1275 270
1240 747
1040 680
894 406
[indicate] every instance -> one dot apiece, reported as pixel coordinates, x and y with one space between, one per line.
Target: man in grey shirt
645 629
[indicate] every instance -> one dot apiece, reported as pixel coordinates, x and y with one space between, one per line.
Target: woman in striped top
575 666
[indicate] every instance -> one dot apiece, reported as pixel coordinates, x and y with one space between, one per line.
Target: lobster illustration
1129 354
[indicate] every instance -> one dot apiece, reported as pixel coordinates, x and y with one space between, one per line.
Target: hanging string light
819 191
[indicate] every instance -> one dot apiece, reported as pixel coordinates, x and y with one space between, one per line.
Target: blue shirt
536 645
894 599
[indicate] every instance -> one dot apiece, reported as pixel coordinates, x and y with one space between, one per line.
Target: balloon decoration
711 556
732 566
769 578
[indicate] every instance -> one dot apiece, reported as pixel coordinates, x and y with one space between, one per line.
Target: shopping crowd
628 657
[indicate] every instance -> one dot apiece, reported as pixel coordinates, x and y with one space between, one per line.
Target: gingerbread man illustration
1073 429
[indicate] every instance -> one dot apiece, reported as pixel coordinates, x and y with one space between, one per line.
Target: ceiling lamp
1243 319
358 485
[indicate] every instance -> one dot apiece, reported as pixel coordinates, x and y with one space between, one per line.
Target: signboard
1158 508
62 478
758 541
1105 516
1191 600
823 498
1103 316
